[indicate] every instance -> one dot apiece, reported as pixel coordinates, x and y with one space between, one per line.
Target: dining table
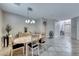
27 39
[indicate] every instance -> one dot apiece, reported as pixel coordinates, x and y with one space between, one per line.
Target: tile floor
75 47
60 46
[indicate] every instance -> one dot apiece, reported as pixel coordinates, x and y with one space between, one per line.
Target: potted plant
8 29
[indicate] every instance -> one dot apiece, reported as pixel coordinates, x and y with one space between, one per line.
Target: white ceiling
48 10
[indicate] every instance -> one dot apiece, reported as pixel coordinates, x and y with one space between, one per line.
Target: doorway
63 27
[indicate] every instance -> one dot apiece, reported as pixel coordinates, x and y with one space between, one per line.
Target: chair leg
23 51
11 53
32 51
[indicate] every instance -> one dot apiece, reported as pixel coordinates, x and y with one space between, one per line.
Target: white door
67 29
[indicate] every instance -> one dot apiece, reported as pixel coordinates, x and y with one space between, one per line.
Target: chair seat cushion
18 46
32 45
41 41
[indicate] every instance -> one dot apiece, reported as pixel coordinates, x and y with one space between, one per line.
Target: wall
58 26
77 28
1 24
50 26
74 28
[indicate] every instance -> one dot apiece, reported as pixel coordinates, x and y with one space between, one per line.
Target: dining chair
43 45
33 48
16 47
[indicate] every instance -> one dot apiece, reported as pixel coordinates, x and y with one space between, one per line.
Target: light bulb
30 21
27 21
33 21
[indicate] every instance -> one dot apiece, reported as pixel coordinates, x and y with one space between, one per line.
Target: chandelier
29 20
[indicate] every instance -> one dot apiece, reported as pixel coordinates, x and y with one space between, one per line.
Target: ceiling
58 11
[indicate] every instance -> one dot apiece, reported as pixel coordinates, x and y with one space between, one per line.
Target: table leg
26 49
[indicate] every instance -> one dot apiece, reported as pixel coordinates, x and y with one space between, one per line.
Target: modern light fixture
29 20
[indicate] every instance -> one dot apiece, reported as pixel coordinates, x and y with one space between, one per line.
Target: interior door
67 29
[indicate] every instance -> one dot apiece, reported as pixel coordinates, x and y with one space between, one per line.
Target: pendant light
29 20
